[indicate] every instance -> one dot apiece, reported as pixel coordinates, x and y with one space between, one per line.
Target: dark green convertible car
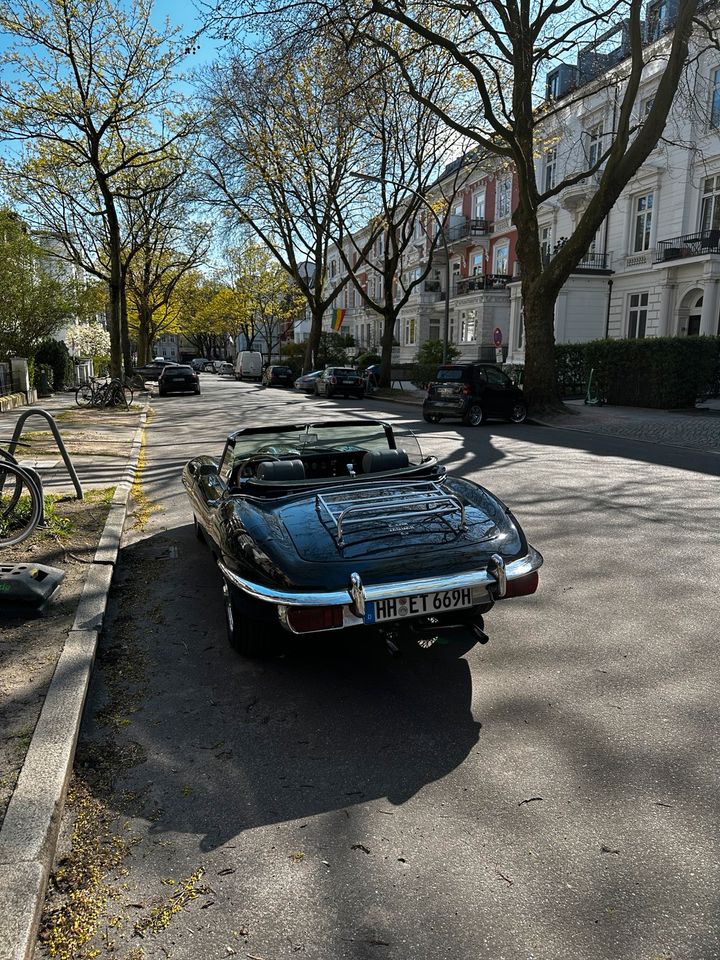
321 527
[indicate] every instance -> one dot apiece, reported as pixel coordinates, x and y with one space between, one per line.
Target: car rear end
347 381
450 393
178 379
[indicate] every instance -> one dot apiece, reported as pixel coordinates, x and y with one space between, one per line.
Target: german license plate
348 381
423 604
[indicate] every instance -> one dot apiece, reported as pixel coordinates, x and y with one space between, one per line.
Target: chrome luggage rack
373 501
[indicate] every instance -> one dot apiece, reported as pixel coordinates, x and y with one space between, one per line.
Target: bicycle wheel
84 395
20 504
127 394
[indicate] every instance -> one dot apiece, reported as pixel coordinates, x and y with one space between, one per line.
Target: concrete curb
30 829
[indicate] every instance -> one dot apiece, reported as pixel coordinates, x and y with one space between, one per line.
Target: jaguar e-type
329 526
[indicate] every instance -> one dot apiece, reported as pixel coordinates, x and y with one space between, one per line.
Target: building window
478 205
710 209
550 168
333 268
410 331
501 258
545 244
594 148
657 19
646 106
521 330
503 199
715 104
476 263
468 324
637 316
643 222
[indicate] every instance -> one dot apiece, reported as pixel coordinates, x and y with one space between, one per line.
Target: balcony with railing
467 230
691 245
482 281
590 263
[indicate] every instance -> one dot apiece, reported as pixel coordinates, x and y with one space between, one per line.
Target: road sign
497 337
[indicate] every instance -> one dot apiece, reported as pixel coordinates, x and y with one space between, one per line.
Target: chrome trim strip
383 591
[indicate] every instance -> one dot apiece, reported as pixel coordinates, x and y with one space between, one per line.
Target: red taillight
467 389
310 619
333 379
523 586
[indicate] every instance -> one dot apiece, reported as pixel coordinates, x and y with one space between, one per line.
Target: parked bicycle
21 500
104 393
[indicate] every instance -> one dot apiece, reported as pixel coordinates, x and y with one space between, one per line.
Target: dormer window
657 19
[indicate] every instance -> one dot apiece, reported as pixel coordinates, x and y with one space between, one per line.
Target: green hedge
664 372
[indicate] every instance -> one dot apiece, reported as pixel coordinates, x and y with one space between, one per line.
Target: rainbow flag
337 319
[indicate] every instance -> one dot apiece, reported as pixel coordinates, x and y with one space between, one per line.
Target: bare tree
281 139
405 147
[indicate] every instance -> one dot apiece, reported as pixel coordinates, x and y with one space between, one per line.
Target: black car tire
519 412
247 637
474 415
431 418
329 393
161 392
197 390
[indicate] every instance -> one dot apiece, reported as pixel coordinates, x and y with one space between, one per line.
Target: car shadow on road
232 744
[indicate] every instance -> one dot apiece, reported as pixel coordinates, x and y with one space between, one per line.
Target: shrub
54 354
664 372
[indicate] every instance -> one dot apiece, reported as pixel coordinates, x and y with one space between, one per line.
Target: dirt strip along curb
30 829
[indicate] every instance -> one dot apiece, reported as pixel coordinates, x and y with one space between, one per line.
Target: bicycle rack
61 447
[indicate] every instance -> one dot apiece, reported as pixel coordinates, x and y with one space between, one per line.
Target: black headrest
281 470
376 461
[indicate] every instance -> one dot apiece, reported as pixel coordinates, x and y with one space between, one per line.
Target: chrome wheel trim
229 616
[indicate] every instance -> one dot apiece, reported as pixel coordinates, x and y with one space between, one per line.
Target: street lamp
441 229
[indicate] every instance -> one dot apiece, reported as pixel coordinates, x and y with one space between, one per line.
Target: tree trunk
125 333
539 382
313 342
388 335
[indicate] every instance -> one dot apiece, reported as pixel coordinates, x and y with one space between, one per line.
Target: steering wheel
249 467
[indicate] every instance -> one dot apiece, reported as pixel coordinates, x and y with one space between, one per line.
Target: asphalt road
550 796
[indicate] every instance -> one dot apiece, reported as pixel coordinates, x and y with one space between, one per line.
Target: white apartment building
654 266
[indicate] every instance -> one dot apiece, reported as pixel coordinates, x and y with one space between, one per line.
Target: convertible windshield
298 440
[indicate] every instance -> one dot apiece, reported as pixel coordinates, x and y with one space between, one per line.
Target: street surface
550 796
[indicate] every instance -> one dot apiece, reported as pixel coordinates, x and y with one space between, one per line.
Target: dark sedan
152 370
178 379
278 376
306 383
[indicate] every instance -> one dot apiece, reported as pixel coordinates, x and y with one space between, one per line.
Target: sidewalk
104 447
697 429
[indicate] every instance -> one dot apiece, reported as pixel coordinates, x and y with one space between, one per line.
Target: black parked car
312 527
152 370
343 380
473 392
278 377
178 378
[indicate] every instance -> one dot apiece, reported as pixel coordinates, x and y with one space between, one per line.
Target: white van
248 365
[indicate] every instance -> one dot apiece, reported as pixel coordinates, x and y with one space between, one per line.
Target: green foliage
333 349
33 303
55 355
429 357
293 355
663 372
368 359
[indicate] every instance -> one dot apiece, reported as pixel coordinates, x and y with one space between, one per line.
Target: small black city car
343 380
153 369
178 379
473 392
277 376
